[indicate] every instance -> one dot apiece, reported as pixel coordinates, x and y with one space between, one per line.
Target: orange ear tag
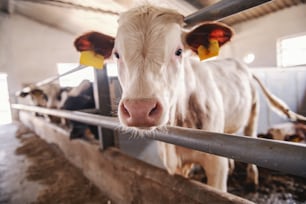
90 58
212 51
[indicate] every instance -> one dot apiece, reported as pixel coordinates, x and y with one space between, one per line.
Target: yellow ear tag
90 58
212 51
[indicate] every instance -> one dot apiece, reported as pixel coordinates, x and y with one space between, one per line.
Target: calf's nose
140 112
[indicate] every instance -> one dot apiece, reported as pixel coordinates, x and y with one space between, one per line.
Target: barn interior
36 38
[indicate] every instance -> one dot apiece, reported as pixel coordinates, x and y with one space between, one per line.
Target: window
112 70
291 51
74 79
5 110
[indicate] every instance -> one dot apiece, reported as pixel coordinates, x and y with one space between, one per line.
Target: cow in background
80 98
68 98
291 132
163 85
46 96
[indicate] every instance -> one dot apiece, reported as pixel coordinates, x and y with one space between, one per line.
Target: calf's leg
251 130
216 169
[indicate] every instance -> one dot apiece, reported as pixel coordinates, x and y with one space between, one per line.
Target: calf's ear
208 35
22 94
38 92
97 42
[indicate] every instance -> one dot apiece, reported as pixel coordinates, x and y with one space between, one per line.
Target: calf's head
149 51
47 96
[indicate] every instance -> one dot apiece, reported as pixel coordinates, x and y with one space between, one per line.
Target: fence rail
277 155
220 10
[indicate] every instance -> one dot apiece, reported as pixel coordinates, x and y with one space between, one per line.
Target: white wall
29 50
289 85
259 36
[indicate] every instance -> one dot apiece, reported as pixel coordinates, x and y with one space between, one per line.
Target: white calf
163 86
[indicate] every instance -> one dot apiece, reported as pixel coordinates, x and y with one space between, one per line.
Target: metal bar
51 79
93 119
277 155
103 103
221 10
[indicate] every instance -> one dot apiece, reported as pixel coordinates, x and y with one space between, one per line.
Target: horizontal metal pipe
277 155
99 120
221 10
51 79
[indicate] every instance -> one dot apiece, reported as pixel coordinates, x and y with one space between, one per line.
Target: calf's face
47 96
149 50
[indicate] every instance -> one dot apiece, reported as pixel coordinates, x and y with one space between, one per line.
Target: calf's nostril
140 112
154 110
125 110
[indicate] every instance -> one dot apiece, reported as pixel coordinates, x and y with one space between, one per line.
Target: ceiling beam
7 6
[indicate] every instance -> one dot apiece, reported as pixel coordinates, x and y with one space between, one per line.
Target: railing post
103 104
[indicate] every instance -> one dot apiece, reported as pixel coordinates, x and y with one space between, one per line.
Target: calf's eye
178 52
117 55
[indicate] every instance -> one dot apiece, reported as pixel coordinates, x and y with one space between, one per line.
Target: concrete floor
14 188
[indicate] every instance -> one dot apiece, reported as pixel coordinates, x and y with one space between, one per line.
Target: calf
292 132
79 98
47 96
163 85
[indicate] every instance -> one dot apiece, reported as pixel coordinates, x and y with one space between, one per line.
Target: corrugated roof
261 10
79 15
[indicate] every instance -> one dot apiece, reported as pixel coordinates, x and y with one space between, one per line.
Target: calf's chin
139 132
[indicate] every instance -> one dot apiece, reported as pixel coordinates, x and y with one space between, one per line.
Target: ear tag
211 51
90 58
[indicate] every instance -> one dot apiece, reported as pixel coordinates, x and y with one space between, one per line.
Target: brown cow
292 132
47 96
163 85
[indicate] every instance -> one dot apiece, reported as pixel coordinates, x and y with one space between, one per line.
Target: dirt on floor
63 182
274 187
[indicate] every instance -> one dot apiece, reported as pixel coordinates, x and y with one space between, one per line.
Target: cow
291 132
46 96
66 98
164 83
79 98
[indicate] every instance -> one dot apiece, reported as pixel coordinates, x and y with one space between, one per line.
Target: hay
64 183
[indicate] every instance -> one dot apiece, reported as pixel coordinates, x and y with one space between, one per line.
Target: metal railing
220 10
277 155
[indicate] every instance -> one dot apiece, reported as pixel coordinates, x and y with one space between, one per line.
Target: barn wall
287 84
259 36
30 50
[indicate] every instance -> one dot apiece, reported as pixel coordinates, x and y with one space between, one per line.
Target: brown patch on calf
195 115
179 120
